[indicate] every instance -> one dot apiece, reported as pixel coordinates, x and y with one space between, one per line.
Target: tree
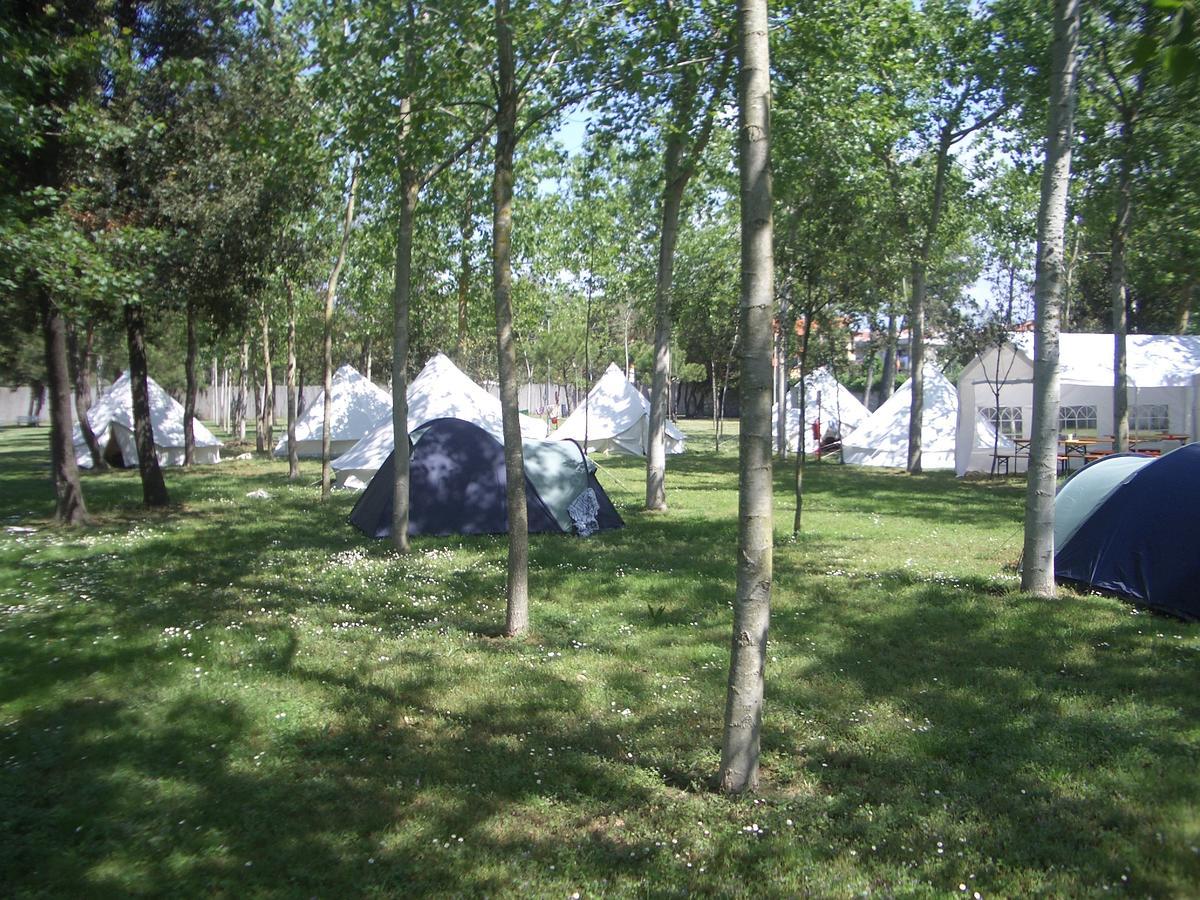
1037 575
692 57
47 55
327 339
752 607
528 87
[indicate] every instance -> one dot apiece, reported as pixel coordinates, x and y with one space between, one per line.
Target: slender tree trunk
466 229
1119 289
189 397
260 438
330 296
69 506
1183 306
154 488
752 608
268 407
1037 573
293 451
239 400
679 164
80 356
781 379
712 368
869 369
802 436
887 384
656 452
916 355
401 301
916 319
517 619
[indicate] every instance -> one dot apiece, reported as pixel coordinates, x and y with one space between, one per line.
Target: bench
29 421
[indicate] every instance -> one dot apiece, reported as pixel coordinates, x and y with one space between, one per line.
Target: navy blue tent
1140 542
457 485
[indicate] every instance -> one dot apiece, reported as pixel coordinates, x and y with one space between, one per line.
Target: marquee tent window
1006 419
1077 418
1150 417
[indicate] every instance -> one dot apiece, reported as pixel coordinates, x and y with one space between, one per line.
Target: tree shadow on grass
105 797
998 731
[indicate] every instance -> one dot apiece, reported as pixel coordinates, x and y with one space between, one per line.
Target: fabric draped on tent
441 391
882 440
827 402
1164 387
1133 531
616 419
457 485
357 404
111 418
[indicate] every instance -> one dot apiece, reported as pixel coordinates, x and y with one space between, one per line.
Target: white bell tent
1163 372
616 418
440 391
827 402
357 405
111 418
882 440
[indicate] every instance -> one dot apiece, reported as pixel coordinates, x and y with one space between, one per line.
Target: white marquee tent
440 391
882 440
827 401
616 418
111 418
1164 388
357 404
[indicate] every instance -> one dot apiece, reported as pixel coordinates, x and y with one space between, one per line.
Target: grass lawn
244 696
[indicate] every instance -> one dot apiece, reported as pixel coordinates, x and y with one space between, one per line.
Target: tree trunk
1119 290
268 407
679 164
656 452
189 397
1037 573
870 375
781 379
802 435
712 369
401 301
517 619
752 608
290 375
81 361
733 348
887 384
69 507
916 356
916 319
464 278
154 488
330 295
239 400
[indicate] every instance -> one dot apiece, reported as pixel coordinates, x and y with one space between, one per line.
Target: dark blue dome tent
457 485
1129 528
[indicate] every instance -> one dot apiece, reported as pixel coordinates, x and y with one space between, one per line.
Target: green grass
245 697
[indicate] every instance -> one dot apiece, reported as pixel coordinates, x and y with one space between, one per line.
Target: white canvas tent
826 401
616 418
111 418
441 391
1163 370
357 404
882 440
